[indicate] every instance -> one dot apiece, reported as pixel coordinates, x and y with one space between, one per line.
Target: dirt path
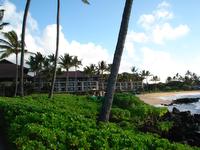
164 97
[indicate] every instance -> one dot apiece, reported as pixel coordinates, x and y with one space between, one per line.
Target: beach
164 97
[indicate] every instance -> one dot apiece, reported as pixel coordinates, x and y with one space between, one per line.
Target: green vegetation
69 122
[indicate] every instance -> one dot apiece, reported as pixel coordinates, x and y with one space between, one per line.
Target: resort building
72 81
80 82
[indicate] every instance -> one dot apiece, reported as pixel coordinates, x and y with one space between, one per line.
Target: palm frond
11 37
4 47
3 24
85 1
2 41
4 55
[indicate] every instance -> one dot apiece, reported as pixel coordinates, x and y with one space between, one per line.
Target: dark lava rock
185 100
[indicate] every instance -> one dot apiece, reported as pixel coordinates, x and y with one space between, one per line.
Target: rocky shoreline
185 127
183 101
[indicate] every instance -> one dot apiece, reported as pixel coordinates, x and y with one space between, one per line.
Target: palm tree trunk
57 47
107 104
16 76
22 50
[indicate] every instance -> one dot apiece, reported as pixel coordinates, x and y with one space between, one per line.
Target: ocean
194 108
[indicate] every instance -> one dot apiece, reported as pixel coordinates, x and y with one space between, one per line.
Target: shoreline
164 97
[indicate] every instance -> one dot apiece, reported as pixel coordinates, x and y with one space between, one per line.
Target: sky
163 35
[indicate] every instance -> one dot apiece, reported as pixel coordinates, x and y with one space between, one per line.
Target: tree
169 79
145 74
107 103
22 48
57 48
90 71
36 64
155 79
11 45
135 74
102 66
76 63
66 63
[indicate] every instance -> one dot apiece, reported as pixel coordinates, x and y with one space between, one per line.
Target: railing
84 86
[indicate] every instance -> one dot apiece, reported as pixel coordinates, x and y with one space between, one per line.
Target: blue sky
163 35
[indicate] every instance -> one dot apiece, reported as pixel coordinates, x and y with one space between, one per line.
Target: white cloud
147 20
136 37
160 63
166 32
15 17
88 52
163 5
163 14
157 25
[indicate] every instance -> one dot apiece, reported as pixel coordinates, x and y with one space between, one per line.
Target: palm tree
36 64
76 63
169 79
107 104
11 45
22 48
66 63
155 79
90 71
102 66
145 74
57 48
135 75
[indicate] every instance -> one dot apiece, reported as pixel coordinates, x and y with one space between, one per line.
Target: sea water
194 108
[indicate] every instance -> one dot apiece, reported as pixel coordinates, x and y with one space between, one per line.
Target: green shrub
118 114
69 122
165 126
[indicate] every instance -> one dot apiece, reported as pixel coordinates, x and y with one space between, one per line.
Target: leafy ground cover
69 122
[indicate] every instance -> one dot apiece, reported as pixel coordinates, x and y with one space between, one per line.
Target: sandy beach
164 97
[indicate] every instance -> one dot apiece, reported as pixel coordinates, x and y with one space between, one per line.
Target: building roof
8 69
72 74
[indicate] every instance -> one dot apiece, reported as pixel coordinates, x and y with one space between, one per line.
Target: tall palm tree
22 48
57 48
76 63
11 45
66 63
107 104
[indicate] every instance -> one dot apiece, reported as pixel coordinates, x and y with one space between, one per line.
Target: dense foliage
69 122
